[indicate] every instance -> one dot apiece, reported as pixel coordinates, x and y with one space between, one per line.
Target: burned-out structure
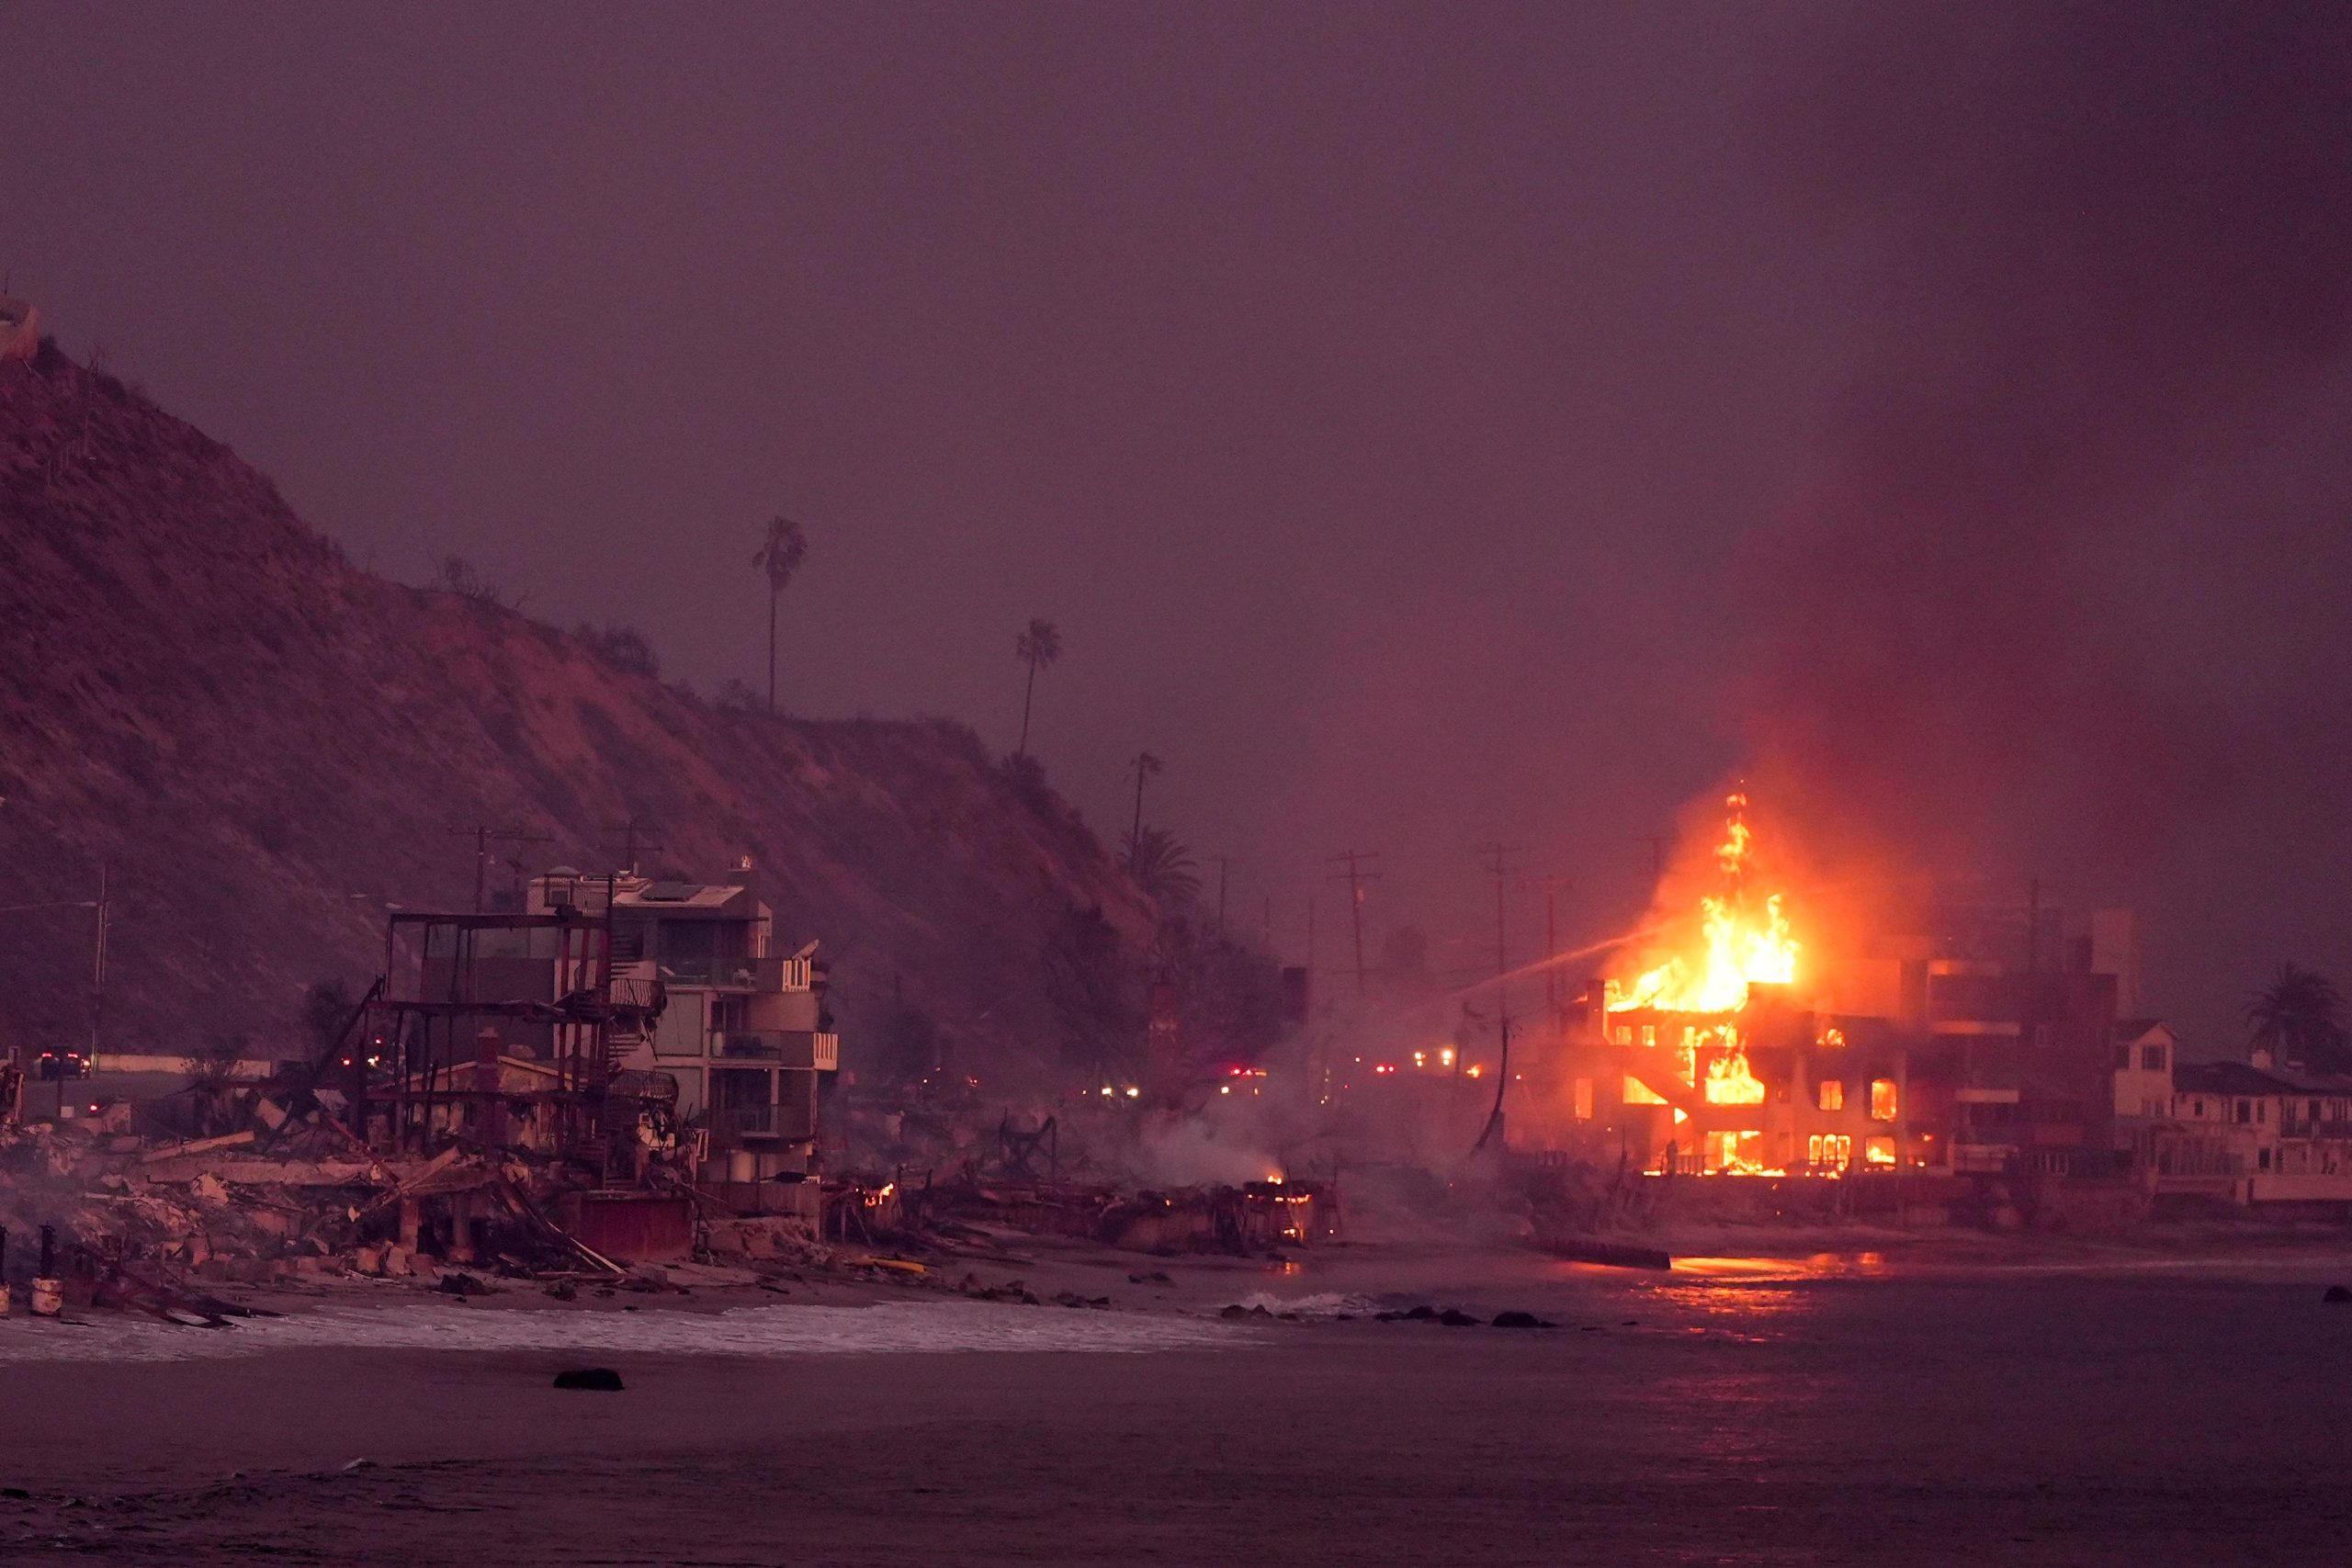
611 1017
502 1026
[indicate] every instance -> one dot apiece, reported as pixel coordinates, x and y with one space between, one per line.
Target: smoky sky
2065 595
1428 426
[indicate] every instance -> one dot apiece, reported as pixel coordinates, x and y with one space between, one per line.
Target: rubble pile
1257 1217
140 1223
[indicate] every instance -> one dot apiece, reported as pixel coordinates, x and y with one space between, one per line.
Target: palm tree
780 557
1145 766
2299 1017
1162 867
1037 647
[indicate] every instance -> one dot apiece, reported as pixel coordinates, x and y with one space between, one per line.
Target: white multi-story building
744 1030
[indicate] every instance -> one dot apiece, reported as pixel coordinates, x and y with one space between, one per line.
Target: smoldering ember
1049 784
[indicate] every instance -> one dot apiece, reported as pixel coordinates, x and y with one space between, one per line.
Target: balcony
744 1120
803 1050
738 1124
739 974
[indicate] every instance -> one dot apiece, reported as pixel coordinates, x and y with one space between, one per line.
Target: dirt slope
199 691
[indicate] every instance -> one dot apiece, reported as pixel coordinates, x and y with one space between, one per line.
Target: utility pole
630 844
1495 854
1552 887
1224 864
1656 841
522 841
1355 876
481 831
98 977
1496 868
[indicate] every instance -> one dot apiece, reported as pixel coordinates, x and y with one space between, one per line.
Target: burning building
1751 1049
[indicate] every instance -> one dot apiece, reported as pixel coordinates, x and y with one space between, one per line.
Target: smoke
1194 1153
2103 256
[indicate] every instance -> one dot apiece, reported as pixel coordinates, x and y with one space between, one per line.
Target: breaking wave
896 1327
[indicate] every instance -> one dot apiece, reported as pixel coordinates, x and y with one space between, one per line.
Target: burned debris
620 1073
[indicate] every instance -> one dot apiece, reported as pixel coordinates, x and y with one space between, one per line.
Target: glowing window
1832 1150
1881 1100
1624 1034
1584 1100
1831 1095
1879 1151
1649 1034
1639 1093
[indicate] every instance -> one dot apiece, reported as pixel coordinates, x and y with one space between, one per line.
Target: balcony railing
801 1049
745 1121
739 974
738 1123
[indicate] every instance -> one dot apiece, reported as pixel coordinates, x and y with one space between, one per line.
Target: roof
2228 1078
2131 1031
2244 1079
2298 1081
677 896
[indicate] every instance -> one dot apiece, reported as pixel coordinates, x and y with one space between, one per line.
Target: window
1624 1034
1834 1150
2262 1111
2244 1112
1584 1100
1831 1095
2152 1058
1649 1034
2264 1159
1879 1151
1882 1100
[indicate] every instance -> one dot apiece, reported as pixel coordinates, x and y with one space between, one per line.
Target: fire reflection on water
1815 1266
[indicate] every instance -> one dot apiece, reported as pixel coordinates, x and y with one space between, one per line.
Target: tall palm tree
780 559
1163 868
1145 766
2299 1017
1038 646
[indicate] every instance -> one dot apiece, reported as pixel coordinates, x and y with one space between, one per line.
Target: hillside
266 745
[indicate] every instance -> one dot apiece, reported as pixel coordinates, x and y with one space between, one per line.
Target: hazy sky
1403 411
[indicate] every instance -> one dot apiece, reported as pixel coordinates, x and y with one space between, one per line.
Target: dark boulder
602 1380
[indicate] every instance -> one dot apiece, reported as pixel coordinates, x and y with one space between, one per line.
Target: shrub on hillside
623 648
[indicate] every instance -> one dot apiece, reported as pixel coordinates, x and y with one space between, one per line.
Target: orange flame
1742 946
1729 1080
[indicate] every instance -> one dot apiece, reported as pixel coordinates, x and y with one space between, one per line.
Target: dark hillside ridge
266 745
